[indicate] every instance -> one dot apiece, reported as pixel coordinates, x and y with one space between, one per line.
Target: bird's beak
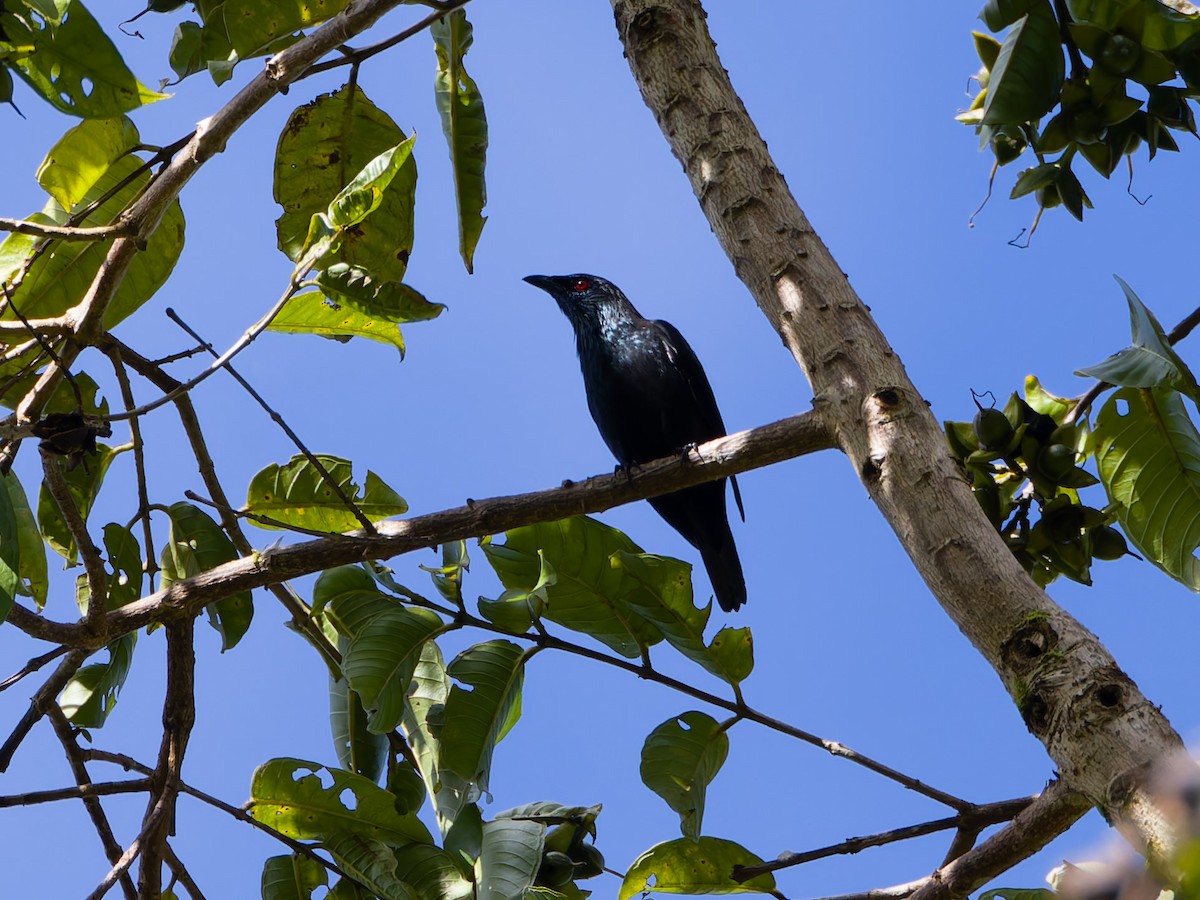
547 283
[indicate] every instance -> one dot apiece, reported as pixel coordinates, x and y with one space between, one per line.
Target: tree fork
1101 732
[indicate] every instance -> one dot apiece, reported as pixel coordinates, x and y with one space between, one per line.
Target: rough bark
1101 732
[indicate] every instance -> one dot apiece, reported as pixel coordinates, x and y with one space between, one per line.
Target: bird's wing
680 353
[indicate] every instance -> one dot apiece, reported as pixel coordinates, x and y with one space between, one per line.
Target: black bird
650 398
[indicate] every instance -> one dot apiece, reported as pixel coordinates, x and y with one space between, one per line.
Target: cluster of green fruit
567 858
1018 459
1126 44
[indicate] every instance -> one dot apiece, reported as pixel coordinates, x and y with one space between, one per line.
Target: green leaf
292 877
382 658
682 866
1027 78
1034 178
362 196
81 157
324 144
349 598
195 544
1149 361
464 123
422 727
253 26
358 750
10 546
75 67
1042 401
999 14
92 692
517 608
297 494
370 862
448 577
589 594
58 279
477 717
389 300
1148 455
311 802
83 483
32 549
680 759
666 601
311 313
509 858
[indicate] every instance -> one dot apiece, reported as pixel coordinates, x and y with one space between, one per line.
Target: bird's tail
725 572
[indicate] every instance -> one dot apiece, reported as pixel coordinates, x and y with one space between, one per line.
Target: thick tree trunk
1101 732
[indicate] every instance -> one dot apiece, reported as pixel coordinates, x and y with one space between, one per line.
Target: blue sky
858 112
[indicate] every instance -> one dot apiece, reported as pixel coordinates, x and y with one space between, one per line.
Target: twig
356 57
179 870
39 703
70 744
139 459
76 792
980 816
178 717
93 562
366 523
32 666
129 764
67 232
157 814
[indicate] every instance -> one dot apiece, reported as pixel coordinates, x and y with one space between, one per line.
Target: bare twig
70 744
32 666
40 702
178 717
334 486
66 232
93 562
76 792
139 459
980 816
151 823
179 870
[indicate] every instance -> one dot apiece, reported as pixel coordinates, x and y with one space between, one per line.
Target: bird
650 398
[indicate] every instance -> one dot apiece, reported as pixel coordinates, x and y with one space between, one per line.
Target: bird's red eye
580 284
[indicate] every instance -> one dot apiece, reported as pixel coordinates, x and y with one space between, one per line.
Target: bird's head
582 298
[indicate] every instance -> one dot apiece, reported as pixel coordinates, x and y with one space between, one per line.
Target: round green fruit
1056 462
1120 55
589 862
993 429
1108 543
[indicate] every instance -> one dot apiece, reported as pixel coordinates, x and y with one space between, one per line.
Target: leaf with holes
666 601
74 66
311 802
195 544
297 493
478 716
680 758
684 866
464 123
323 146
1148 455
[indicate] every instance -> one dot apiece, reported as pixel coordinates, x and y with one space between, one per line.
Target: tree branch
66 232
1102 733
93 562
76 792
